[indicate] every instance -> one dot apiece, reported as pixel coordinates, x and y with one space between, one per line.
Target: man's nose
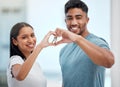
74 22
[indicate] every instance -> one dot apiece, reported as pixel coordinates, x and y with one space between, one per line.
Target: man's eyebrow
75 15
68 15
78 15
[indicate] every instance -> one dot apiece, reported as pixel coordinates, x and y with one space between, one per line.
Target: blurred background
46 15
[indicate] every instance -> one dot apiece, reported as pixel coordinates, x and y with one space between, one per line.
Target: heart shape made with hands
54 39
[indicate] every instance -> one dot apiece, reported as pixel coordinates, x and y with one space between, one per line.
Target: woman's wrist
40 46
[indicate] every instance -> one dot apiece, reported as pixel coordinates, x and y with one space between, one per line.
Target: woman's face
26 40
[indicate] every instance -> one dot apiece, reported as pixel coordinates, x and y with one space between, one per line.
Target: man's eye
69 18
78 17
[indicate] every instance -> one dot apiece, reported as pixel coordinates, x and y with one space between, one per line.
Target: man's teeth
73 28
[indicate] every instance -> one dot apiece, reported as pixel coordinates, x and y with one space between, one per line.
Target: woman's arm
21 71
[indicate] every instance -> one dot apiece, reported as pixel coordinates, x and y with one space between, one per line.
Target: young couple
83 60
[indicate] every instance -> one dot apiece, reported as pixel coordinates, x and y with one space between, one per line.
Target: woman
23 70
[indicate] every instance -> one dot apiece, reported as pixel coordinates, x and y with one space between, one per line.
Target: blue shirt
78 70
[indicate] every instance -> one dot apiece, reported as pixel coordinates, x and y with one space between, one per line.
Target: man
84 59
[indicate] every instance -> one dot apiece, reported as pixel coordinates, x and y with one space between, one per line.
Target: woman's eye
23 37
32 35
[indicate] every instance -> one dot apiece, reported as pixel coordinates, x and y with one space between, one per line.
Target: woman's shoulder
16 59
15 56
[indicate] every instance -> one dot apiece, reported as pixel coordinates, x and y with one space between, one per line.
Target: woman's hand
45 42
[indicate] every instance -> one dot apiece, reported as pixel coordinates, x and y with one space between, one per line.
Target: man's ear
14 41
88 19
65 20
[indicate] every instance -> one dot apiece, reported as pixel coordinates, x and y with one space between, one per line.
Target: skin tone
26 42
76 21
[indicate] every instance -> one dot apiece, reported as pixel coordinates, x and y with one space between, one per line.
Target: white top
34 78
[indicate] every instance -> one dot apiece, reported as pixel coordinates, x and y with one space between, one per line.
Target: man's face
76 21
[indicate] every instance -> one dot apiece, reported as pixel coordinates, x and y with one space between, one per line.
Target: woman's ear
14 41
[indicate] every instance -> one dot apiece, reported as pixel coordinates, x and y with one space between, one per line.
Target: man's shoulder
100 41
95 38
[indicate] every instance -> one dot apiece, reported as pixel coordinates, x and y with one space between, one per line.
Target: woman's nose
30 39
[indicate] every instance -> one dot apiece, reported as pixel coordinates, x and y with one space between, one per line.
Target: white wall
115 41
10 13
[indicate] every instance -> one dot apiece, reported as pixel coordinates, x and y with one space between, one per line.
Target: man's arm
98 55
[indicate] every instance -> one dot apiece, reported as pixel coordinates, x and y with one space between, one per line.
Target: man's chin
75 32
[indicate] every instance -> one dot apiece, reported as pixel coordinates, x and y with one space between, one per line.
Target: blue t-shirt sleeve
100 42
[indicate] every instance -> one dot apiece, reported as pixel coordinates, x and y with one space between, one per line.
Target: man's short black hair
76 4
